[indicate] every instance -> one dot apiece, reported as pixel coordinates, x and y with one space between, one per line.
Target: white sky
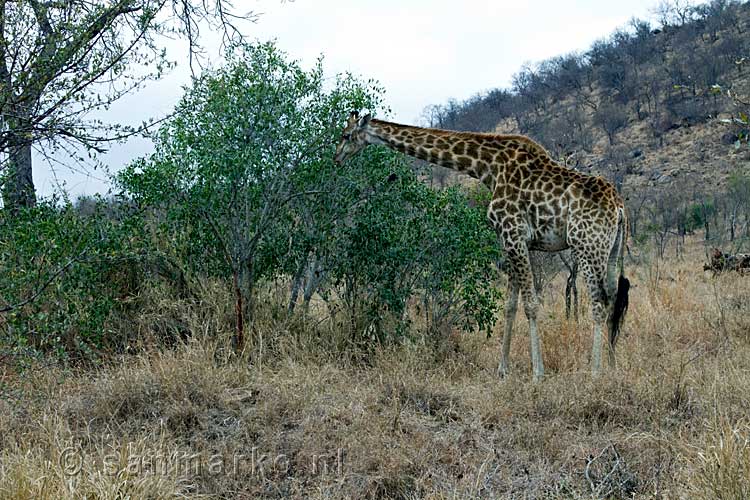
422 51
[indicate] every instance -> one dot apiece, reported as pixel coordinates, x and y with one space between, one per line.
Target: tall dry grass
307 414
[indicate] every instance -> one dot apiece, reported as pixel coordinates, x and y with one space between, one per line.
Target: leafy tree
242 186
59 61
241 148
700 216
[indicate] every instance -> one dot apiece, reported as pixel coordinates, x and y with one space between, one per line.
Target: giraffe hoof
502 371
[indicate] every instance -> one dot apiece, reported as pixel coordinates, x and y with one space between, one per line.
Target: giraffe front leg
525 282
521 276
511 306
531 305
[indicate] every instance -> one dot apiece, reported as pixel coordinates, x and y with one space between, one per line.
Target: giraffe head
353 138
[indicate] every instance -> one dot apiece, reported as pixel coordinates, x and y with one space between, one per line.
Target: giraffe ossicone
537 204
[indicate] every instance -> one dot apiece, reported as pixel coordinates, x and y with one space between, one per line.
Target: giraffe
537 204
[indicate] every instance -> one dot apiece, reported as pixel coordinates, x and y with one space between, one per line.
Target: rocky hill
656 108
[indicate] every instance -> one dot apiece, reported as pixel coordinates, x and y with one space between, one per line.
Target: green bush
247 142
242 187
406 241
64 273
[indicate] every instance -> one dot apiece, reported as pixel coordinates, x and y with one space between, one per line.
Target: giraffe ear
354 115
365 120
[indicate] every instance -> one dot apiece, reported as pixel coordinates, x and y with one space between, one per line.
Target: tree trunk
238 340
296 286
18 182
243 282
315 276
706 226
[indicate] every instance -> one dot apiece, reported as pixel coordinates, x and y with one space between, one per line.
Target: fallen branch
721 261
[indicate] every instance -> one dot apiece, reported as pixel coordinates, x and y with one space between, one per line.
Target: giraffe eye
346 137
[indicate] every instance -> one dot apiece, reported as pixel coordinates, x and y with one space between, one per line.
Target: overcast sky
422 51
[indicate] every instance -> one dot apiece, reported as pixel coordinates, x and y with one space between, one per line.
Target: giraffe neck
482 156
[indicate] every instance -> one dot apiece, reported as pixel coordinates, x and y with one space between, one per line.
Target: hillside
653 108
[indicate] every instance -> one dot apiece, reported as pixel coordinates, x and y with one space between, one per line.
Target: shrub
242 187
64 274
410 242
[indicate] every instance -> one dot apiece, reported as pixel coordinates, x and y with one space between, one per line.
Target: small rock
663 179
729 138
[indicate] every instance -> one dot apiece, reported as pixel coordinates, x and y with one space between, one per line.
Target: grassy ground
308 418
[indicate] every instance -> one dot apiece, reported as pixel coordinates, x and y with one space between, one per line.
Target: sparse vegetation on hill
641 83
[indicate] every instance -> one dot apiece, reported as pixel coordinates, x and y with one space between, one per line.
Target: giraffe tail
623 284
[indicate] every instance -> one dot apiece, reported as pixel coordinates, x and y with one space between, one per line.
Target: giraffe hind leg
617 290
595 279
531 306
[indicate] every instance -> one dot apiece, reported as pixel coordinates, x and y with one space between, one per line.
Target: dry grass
301 416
